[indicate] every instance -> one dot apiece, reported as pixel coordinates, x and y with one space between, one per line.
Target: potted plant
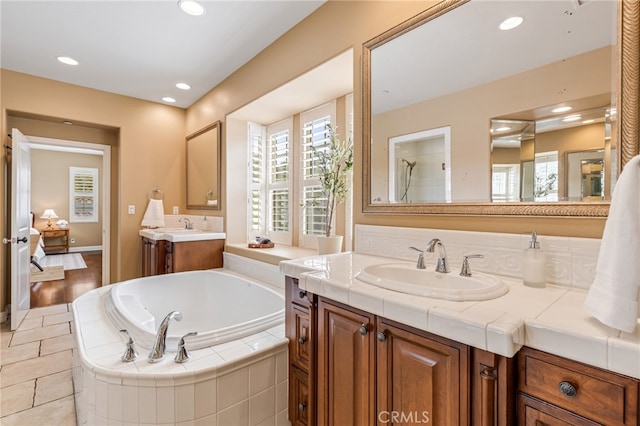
333 165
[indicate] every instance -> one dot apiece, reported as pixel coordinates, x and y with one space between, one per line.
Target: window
273 174
83 194
505 182
270 181
314 139
546 176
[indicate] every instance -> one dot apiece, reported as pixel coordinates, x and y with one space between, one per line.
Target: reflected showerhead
410 164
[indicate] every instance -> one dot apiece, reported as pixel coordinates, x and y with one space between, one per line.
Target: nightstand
55 239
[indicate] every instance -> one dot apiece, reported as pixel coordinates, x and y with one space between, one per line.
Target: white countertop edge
582 338
179 237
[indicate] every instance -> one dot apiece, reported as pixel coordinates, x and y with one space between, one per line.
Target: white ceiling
142 48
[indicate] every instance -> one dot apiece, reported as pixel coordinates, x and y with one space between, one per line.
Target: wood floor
76 282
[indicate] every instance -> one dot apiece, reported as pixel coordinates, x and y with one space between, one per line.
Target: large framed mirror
497 92
203 168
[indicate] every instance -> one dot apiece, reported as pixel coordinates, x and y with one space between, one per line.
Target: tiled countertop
550 319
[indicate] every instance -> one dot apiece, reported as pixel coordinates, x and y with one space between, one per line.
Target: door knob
23 240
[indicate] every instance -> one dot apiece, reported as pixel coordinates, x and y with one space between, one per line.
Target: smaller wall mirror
203 168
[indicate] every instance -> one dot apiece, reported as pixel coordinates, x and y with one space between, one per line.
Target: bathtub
238 370
218 305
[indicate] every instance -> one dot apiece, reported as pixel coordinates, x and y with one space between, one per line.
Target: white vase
329 245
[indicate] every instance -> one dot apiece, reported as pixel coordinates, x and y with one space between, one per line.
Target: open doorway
70 204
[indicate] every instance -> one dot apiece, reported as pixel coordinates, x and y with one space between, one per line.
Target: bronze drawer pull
363 330
302 294
302 406
381 336
568 389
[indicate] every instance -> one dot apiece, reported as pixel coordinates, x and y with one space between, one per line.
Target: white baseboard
85 248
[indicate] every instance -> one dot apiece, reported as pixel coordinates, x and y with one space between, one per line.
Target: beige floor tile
19 353
49 310
56 344
34 368
60 412
21 337
58 318
55 386
17 398
30 323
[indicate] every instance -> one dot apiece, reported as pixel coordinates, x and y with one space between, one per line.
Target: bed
37 244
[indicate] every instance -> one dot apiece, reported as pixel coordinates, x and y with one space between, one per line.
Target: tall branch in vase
334 164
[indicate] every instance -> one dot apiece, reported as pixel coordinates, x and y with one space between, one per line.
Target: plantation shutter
315 138
83 194
257 193
279 181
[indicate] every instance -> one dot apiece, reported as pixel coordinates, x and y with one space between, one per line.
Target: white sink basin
406 278
176 230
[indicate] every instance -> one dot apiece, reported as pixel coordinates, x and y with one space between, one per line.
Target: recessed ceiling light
191 7
511 23
503 129
183 86
562 109
67 122
168 99
67 60
588 121
574 117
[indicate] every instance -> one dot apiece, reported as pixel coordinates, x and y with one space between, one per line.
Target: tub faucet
159 345
187 222
442 265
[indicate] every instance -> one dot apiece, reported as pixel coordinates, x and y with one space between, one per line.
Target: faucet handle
130 353
465 271
182 355
420 263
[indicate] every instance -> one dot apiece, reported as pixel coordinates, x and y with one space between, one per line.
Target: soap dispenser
534 264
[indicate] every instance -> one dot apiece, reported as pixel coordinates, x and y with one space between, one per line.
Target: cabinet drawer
596 394
300 405
302 343
533 412
55 234
297 295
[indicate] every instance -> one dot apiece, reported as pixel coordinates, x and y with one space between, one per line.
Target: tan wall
50 189
149 152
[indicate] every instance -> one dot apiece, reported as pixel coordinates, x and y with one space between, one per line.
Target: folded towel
154 216
613 296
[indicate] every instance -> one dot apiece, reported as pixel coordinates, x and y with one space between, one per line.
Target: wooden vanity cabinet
557 391
153 257
350 367
300 329
164 257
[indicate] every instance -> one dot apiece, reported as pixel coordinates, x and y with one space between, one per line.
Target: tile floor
35 369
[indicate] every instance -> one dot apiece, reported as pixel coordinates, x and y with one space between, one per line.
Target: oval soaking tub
219 306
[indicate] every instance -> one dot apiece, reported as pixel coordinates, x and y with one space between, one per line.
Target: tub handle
130 353
182 355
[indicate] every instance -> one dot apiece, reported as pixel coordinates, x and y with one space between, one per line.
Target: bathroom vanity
360 354
167 250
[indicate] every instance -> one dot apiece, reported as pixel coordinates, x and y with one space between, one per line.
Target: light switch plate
132 209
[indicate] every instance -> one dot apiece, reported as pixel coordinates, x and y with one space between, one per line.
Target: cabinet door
346 382
300 402
420 380
533 412
197 255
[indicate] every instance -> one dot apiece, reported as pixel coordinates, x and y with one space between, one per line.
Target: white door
20 227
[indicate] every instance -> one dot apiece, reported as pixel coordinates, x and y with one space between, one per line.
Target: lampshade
49 214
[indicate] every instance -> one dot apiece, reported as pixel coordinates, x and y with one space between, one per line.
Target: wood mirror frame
627 83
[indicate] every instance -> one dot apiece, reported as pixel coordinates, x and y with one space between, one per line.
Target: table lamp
49 214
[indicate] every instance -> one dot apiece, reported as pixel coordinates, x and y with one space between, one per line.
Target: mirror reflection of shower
419 167
408 171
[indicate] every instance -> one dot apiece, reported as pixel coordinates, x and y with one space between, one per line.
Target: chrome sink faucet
442 265
160 343
187 222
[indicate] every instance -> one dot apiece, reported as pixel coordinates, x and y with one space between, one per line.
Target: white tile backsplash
570 261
